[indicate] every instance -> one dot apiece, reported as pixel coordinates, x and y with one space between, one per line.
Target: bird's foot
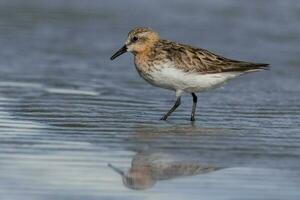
164 117
192 118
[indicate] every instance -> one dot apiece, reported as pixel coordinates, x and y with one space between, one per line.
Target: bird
180 67
149 167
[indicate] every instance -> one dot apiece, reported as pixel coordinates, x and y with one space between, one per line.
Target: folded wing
205 62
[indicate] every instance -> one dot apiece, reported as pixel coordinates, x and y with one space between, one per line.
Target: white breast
175 79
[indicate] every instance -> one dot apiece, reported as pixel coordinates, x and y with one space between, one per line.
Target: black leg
177 103
194 107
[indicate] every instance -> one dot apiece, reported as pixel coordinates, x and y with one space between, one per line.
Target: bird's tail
252 67
241 66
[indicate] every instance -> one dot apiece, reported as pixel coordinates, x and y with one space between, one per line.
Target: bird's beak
119 171
119 52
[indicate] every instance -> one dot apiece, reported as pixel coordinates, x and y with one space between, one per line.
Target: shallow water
67 112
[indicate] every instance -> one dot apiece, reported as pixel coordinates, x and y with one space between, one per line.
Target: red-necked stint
180 67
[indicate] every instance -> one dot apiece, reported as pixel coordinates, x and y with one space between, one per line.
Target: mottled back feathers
193 59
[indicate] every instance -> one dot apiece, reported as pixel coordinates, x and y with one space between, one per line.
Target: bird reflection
148 167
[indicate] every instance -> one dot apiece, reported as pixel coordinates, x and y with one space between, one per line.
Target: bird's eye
134 39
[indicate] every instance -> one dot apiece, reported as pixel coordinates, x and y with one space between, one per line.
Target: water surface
67 112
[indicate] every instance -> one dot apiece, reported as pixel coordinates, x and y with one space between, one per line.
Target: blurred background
67 111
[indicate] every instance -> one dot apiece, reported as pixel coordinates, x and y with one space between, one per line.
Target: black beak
119 52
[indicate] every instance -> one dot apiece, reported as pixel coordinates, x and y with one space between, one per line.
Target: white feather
173 78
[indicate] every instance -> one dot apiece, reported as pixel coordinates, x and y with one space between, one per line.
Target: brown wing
201 60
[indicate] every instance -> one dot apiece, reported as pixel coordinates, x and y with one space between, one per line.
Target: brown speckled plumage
185 57
199 60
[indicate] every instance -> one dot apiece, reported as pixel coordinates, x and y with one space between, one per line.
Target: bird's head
137 178
139 40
